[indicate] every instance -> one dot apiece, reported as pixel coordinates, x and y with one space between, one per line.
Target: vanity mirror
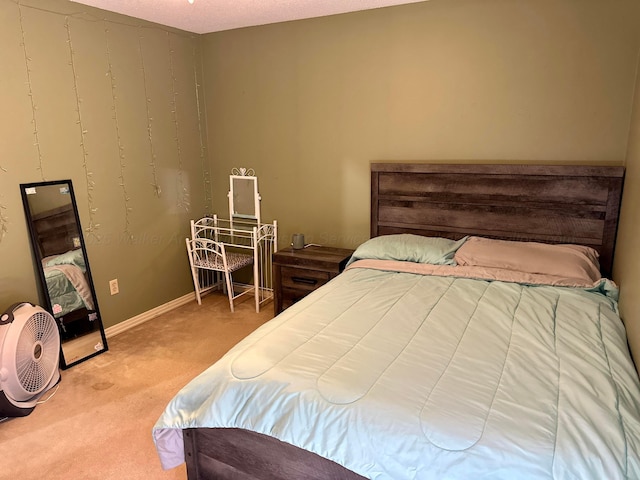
67 290
244 200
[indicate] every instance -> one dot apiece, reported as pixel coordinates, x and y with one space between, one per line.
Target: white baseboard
148 315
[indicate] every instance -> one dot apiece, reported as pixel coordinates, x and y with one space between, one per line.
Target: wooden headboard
56 230
542 203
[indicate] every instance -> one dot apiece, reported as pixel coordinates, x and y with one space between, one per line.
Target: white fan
29 356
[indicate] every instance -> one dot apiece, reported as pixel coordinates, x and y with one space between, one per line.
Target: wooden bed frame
552 204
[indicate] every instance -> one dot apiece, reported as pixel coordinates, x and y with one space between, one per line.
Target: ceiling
206 16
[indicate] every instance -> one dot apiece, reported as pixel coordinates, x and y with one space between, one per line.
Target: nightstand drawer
296 273
303 279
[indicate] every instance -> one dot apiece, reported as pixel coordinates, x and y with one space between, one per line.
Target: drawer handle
306 281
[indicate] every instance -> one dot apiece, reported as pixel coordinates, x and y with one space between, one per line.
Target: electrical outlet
113 286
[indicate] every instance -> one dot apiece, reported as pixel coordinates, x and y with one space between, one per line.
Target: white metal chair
209 255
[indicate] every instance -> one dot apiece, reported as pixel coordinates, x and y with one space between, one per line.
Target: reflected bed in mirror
60 256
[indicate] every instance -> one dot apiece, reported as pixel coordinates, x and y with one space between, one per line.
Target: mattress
399 373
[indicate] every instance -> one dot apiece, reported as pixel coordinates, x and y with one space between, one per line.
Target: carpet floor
98 423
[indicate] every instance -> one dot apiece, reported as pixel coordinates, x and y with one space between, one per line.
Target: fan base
8 409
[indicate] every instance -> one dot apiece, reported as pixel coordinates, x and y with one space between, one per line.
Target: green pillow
72 257
409 248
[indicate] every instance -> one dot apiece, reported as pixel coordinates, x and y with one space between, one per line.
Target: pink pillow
570 261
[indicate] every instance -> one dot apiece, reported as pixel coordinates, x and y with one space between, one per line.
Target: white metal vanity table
218 247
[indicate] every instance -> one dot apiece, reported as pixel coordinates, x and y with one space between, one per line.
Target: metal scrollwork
243 172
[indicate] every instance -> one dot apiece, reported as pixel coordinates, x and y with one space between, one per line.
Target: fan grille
37 352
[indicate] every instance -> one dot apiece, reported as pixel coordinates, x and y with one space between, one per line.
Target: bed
435 354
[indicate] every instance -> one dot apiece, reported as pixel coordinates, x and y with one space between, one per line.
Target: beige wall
310 104
56 56
627 261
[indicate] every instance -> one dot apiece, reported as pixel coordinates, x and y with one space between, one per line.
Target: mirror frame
37 258
232 198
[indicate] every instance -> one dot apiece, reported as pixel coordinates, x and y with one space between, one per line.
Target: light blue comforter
403 376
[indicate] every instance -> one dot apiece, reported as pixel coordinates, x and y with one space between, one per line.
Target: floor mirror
60 256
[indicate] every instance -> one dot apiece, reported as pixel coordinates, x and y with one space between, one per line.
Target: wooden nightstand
299 272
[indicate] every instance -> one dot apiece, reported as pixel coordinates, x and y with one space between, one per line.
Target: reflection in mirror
244 201
63 267
243 197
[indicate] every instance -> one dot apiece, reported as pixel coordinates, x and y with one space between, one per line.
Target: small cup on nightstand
297 241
